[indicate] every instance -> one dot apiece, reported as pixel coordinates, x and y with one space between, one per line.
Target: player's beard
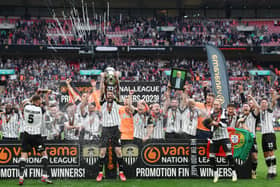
174 108
246 112
157 114
110 100
217 110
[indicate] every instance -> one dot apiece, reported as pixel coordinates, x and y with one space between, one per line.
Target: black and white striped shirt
266 121
33 119
174 121
157 122
91 124
221 131
189 121
232 120
110 114
250 122
21 122
140 123
72 134
50 125
44 130
10 125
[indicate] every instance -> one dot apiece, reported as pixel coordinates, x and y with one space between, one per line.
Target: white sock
270 169
216 173
274 169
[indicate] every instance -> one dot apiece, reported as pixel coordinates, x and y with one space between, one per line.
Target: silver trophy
111 81
110 77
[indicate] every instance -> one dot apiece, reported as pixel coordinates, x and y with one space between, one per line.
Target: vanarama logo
59 154
5 155
158 154
237 139
152 154
62 151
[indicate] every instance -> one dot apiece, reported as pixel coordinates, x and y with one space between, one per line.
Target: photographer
10 123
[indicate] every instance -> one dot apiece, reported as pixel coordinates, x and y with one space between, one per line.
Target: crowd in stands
34 73
140 31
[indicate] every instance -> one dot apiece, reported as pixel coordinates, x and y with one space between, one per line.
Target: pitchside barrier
161 159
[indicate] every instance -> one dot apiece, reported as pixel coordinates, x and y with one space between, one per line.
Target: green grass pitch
261 180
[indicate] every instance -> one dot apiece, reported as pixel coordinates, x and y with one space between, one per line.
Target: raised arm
184 97
242 96
274 97
167 98
131 107
255 104
94 95
118 92
47 97
76 96
102 87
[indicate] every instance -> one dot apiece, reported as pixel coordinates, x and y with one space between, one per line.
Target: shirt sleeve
43 110
223 123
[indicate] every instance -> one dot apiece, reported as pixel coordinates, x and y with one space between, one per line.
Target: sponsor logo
5 155
130 154
152 154
157 154
90 154
59 154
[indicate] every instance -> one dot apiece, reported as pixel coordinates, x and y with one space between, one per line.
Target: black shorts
201 134
269 142
254 148
137 141
110 135
29 141
172 135
186 136
216 144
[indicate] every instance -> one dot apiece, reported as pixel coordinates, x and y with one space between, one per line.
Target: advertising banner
177 159
161 159
147 91
219 75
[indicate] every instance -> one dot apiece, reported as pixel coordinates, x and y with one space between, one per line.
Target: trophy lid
109 69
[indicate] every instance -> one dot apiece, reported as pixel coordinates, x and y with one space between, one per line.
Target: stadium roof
148 3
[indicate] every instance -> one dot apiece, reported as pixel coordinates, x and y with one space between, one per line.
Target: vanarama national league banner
219 76
161 159
149 91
